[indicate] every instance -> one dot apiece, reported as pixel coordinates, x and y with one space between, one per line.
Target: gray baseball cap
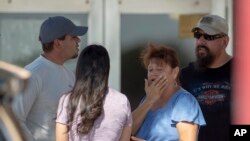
58 26
212 24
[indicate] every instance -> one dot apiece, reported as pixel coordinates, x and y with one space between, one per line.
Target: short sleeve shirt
107 127
160 125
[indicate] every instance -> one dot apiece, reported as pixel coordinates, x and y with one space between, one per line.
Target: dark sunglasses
197 35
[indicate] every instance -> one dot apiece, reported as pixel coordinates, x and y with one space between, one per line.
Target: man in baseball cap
37 107
55 27
212 24
209 77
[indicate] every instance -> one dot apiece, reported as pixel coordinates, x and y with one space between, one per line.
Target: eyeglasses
197 35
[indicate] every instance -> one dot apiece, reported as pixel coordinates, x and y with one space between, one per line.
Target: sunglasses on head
208 37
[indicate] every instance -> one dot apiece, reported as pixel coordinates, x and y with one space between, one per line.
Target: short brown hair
166 53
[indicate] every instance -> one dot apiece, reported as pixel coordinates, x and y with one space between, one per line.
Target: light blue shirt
36 108
160 125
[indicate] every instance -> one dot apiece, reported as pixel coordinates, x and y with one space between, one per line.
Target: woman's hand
133 138
155 89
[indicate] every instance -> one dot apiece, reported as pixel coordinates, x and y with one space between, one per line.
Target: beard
203 59
74 56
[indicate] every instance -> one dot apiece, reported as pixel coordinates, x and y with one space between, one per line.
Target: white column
231 27
96 22
220 7
112 40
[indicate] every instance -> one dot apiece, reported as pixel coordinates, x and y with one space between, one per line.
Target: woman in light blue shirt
167 112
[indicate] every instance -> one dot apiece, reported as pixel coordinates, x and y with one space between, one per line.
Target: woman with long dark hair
92 111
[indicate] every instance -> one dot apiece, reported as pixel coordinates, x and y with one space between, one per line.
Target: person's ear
225 41
57 43
176 72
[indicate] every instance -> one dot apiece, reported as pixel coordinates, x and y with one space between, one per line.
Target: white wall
104 17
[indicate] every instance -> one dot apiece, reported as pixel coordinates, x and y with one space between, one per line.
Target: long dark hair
91 86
